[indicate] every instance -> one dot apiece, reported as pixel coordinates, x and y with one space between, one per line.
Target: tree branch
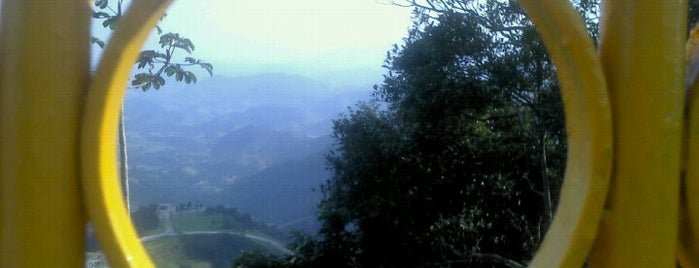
495 257
548 203
461 8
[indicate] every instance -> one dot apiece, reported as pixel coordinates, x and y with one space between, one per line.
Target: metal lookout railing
630 197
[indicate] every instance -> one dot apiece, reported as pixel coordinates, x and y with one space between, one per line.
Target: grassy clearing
169 252
197 221
201 250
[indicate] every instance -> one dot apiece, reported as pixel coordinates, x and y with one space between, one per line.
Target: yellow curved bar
642 53
43 79
589 129
689 213
105 203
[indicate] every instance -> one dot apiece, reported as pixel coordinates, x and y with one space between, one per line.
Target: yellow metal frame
43 77
630 197
106 208
642 59
589 130
57 156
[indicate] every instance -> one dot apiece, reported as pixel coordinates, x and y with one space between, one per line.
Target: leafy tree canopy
154 65
458 159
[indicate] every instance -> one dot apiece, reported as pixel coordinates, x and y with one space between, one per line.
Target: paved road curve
165 215
272 242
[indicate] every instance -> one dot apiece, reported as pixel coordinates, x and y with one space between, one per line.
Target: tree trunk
548 202
123 161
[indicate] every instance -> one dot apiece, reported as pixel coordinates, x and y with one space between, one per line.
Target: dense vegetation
145 219
458 159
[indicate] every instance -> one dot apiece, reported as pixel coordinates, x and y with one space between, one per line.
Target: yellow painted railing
630 197
625 119
58 132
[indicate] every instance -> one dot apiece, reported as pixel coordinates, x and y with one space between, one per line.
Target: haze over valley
234 162
257 143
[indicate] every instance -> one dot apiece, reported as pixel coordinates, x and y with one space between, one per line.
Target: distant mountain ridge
254 142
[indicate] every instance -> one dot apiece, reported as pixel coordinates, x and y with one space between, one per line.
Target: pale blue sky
296 36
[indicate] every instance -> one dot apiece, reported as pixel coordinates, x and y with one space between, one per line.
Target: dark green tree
145 219
462 167
457 161
154 65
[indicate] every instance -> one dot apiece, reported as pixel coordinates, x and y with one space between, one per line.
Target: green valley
188 235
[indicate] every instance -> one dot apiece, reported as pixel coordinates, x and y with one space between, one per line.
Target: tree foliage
462 167
154 65
145 219
458 160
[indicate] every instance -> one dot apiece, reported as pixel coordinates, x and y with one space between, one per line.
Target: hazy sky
301 36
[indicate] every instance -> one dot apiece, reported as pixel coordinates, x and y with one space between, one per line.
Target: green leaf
190 78
97 41
179 76
111 22
100 15
160 81
141 81
145 58
102 4
183 46
208 67
148 53
188 43
170 70
168 39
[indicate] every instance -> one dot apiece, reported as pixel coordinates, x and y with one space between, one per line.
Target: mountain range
256 142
